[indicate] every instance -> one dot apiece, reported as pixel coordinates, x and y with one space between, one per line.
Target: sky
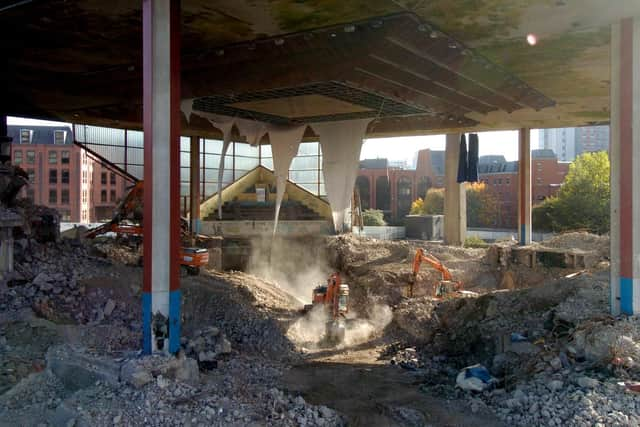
401 148
405 148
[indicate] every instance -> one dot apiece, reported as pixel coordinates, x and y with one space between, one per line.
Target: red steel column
625 174
161 117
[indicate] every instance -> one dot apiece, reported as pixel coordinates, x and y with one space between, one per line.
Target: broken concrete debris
546 352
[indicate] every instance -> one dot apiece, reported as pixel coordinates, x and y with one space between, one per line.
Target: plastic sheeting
284 147
341 143
252 130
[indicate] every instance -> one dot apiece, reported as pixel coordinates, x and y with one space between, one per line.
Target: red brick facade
64 177
390 189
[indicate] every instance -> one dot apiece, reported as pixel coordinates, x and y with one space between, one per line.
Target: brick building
392 190
64 176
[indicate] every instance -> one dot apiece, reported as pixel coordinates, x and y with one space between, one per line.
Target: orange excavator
334 297
445 285
127 220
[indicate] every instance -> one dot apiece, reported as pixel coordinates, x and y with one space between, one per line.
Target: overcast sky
402 148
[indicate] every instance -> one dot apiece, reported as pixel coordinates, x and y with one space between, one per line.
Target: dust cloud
296 266
309 330
360 330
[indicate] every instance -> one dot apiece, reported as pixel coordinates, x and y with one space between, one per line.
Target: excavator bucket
335 331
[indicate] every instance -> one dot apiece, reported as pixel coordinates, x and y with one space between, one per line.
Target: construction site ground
70 339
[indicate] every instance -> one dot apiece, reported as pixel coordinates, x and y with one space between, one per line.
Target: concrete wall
265 228
382 233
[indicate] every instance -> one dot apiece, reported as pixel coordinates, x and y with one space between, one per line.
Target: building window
507 181
64 197
25 136
112 196
65 176
53 176
53 196
112 178
17 157
538 181
540 197
32 175
53 157
500 181
103 196
64 157
65 215
59 137
31 157
103 178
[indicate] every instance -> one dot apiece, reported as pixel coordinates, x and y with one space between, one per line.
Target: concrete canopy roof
80 61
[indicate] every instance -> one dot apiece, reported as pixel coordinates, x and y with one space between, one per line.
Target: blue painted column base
174 321
146 323
626 295
523 235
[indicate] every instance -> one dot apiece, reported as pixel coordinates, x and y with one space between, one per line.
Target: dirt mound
581 241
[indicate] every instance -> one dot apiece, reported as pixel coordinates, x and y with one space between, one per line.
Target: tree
583 200
481 205
433 203
373 217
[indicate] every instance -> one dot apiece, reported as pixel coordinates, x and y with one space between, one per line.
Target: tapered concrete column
625 173
194 185
455 197
524 187
161 117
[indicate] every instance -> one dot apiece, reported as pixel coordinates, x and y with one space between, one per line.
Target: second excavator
442 287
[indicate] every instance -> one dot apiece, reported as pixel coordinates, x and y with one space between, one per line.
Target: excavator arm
431 260
434 262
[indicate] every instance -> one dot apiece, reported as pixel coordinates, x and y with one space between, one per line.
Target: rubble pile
207 346
52 278
235 310
124 254
554 354
158 391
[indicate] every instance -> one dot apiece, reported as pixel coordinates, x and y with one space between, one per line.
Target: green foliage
482 206
433 203
474 242
373 217
583 200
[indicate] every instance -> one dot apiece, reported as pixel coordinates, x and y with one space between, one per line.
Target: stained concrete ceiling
80 61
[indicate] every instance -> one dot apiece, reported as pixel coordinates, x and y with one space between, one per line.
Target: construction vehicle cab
334 297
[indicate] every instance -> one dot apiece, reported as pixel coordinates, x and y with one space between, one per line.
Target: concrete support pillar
625 174
524 187
194 185
161 119
455 197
